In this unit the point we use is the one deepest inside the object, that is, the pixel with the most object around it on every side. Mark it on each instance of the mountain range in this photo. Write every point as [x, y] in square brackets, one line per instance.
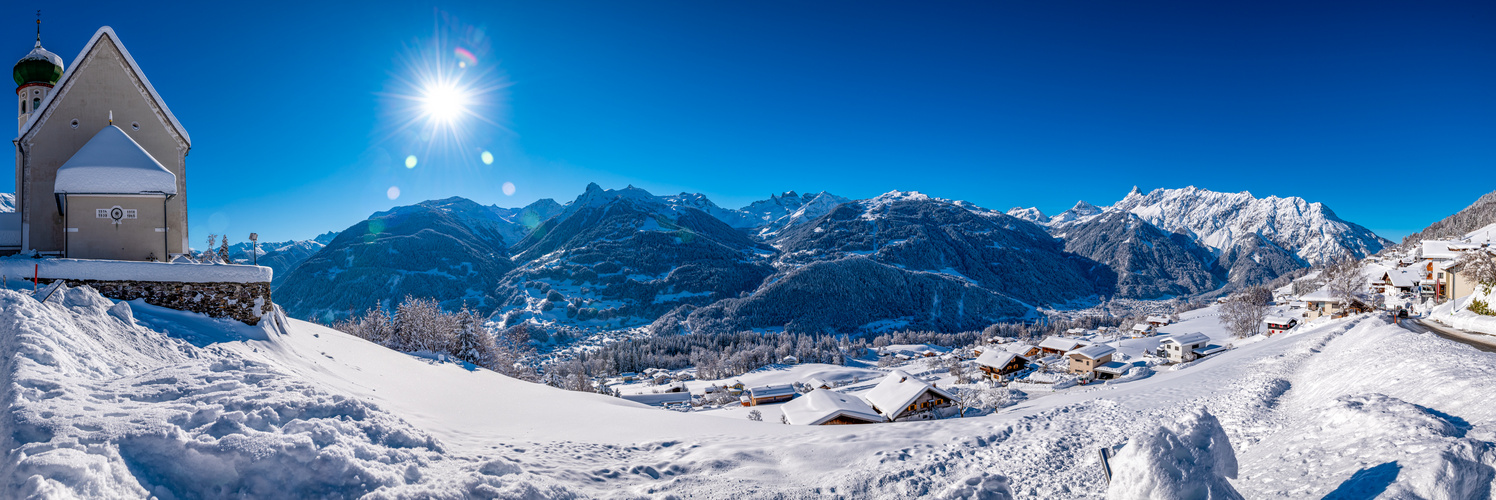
[806, 262]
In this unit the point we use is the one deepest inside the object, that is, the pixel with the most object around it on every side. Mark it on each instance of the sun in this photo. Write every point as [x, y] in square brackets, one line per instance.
[444, 101]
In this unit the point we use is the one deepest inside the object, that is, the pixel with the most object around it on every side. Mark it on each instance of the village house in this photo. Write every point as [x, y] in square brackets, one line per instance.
[1157, 321]
[768, 394]
[1084, 361]
[1024, 349]
[1060, 345]
[997, 363]
[1460, 284]
[1142, 330]
[1322, 303]
[817, 383]
[826, 407]
[901, 396]
[1182, 347]
[1279, 324]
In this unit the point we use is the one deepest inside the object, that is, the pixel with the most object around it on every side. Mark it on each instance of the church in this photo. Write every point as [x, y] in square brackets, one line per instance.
[101, 162]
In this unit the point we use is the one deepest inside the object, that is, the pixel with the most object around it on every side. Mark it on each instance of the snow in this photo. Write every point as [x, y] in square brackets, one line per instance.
[178, 405]
[1062, 343]
[1192, 338]
[821, 405]
[995, 358]
[1191, 460]
[111, 162]
[120, 270]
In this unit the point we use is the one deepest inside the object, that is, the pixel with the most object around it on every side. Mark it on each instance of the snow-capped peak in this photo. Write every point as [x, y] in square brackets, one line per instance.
[1031, 214]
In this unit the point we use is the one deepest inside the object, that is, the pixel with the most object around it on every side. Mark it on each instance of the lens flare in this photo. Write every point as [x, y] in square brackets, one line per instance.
[508, 189]
[487, 158]
[393, 192]
[465, 58]
[410, 161]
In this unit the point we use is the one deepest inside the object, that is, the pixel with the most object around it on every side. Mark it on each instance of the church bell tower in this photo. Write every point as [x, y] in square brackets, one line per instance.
[35, 76]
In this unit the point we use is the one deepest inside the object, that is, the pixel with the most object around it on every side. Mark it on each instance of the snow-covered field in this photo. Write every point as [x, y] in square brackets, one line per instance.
[132, 401]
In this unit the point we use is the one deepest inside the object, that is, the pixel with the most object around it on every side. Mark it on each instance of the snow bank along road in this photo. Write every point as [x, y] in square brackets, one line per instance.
[1477, 340]
[129, 401]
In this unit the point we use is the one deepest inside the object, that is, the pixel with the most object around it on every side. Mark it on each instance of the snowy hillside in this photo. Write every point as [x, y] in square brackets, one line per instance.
[450, 250]
[139, 401]
[7, 202]
[1479, 214]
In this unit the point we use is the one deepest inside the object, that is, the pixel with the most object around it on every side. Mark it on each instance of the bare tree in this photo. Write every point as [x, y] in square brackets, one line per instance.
[1479, 267]
[756, 416]
[1343, 279]
[1245, 310]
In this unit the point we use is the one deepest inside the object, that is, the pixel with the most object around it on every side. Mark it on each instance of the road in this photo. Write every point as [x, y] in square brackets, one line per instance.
[1477, 340]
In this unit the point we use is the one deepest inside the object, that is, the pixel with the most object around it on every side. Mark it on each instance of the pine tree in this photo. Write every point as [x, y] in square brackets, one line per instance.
[223, 250]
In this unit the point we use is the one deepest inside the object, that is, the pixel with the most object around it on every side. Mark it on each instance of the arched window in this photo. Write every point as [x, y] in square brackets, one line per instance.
[35, 102]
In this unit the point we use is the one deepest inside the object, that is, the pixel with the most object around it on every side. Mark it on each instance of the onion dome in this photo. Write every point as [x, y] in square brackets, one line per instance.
[39, 66]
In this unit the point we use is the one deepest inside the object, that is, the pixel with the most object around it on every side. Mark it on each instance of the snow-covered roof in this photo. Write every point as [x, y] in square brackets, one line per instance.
[111, 162]
[817, 382]
[1158, 319]
[1403, 278]
[1437, 249]
[1018, 347]
[1114, 367]
[1192, 338]
[1142, 327]
[995, 358]
[1208, 350]
[1278, 320]
[663, 398]
[770, 391]
[821, 405]
[1097, 351]
[897, 391]
[65, 83]
[1062, 343]
[1320, 295]
[1483, 235]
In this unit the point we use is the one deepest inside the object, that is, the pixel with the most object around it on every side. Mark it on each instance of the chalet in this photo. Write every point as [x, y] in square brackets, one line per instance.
[1142, 330]
[661, 399]
[1322, 303]
[768, 394]
[1060, 345]
[995, 364]
[826, 407]
[1084, 361]
[628, 376]
[1157, 321]
[901, 396]
[1398, 281]
[1182, 347]
[1279, 324]
[817, 383]
[1024, 349]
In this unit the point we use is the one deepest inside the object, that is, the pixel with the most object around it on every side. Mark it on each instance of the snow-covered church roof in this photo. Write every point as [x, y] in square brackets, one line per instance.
[113, 163]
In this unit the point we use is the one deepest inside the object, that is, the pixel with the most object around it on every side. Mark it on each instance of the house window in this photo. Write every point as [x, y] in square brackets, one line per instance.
[35, 103]
[102, 213]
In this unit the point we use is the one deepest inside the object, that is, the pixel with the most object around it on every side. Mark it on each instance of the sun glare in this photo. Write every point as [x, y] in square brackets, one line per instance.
[444, 102]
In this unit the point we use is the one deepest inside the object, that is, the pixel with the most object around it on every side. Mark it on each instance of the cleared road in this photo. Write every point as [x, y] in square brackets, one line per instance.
[1477, 340]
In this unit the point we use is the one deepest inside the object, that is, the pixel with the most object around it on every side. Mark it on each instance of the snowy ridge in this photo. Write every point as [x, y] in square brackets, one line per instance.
[7, 202]
[1221, 220]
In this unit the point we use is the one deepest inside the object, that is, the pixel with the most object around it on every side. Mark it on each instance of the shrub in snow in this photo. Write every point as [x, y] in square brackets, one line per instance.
[756, 416]
[1187, 460]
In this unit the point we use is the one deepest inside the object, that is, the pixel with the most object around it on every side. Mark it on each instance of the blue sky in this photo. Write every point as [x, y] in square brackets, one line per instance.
[1383, 111]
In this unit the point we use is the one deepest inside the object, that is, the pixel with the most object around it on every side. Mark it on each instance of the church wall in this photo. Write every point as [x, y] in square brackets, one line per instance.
[102, 82]
[100, 238]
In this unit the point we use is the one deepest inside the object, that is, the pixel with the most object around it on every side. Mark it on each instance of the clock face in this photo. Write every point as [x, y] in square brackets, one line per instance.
[116, 213]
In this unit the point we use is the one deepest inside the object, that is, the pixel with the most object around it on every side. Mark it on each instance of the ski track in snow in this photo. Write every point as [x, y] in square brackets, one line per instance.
[109, 403]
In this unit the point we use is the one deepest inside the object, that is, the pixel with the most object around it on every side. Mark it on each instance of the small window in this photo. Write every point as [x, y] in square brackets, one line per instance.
[75, 123]
[134, 125]
[129, 213]
[102, 213]
[35, 103]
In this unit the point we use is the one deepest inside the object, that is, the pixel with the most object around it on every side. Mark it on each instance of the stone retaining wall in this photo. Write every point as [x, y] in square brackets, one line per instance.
[246, 302]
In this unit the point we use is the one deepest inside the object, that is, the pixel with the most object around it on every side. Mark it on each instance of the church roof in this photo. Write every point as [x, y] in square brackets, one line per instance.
[62, 84]
[113, 163]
